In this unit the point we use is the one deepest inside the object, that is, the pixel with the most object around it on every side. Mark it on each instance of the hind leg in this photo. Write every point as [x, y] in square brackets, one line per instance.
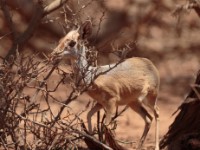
[110, 108]
[151, 103]
[156, 114]
[137, 107]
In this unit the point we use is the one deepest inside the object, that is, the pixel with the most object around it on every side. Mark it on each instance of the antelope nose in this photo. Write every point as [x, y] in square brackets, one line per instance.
[72, 43]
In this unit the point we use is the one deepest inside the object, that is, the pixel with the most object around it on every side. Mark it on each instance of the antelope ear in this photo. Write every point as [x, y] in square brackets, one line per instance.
[85, 30]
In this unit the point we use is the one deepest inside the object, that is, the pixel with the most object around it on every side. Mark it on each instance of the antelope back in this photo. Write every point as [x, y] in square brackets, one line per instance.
[128, 80]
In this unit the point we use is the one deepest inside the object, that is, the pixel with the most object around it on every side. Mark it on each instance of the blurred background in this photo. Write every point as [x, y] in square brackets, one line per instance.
[121, 28]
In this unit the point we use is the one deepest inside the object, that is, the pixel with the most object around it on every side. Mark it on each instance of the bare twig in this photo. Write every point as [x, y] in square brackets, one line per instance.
[92, 139]
[33, 99]
[40, 12]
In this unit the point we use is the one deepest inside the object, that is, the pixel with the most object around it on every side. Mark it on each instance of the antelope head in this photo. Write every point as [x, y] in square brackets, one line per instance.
[69, 45]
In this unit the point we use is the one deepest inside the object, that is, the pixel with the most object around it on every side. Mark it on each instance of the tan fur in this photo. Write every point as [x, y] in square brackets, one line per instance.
[134, 82]
[127, 84]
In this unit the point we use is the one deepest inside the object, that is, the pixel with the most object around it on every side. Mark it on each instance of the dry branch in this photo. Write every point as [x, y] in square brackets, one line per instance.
[31, 121]
[92, 142]
[39, 13]
[192, 4]
[8, 18]
[111, 140]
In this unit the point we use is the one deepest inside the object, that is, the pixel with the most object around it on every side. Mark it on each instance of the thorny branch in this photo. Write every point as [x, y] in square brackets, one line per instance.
[39, 13]
[19, 119]
[24, 114]
[191, 4]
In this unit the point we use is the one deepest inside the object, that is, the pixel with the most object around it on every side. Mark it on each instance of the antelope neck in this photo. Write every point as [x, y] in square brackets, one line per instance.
[85, 71]
[82, 69]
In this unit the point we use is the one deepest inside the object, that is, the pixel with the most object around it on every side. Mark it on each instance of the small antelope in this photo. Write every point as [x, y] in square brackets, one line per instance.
[133, 82]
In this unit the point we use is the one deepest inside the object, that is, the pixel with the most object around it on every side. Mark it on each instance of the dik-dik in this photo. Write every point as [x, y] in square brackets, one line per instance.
[133, 82]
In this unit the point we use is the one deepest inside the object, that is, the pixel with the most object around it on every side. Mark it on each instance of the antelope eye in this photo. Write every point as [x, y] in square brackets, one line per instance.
[72, 43]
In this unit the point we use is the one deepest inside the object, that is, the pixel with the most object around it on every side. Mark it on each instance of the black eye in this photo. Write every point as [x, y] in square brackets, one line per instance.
[72, 43]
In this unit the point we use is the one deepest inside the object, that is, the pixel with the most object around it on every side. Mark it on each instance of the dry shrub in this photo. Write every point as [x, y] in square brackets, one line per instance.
[27, 101]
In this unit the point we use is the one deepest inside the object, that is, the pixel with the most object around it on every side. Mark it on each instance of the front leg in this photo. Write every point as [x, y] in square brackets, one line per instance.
[95, 109]
[110, 108]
